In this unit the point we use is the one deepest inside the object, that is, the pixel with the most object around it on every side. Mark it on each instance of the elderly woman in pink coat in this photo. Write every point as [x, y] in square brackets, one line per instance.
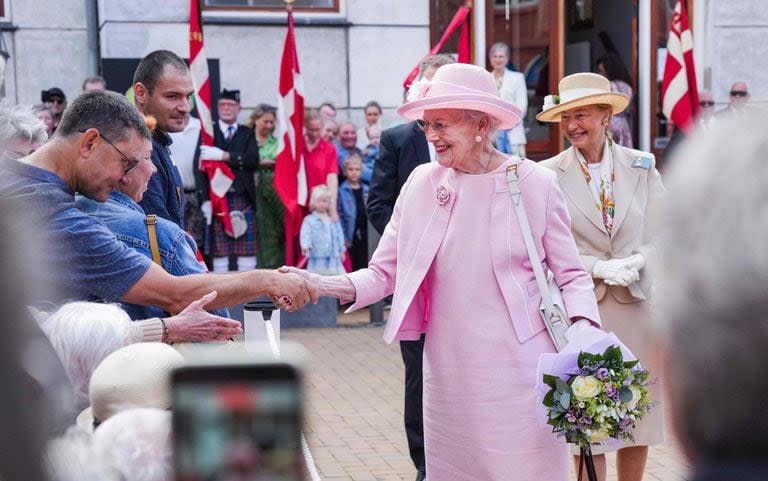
[454, 257]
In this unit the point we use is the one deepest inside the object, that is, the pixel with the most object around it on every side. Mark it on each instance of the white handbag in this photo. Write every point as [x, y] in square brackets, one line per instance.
[552, 306]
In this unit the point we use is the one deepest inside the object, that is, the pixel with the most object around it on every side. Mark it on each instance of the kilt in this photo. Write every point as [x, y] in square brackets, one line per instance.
[246, 244]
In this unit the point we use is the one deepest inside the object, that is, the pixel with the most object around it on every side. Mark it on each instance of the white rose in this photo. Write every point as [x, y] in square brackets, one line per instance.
[585, 387]
[598, 436]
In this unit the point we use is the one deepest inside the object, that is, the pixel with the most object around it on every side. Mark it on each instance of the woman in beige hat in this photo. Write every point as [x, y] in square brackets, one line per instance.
[610, 191]
[454, 256]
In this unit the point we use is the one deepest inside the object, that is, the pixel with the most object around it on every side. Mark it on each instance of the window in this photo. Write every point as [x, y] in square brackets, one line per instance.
[298, 5]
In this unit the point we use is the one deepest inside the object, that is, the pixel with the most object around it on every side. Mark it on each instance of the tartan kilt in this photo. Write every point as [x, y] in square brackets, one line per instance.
[246, 244]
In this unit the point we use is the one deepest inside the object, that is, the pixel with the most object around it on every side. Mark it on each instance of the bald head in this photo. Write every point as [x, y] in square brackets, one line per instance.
[739, 94]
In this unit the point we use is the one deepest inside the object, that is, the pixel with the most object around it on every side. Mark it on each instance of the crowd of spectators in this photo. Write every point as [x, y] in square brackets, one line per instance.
[99, 180]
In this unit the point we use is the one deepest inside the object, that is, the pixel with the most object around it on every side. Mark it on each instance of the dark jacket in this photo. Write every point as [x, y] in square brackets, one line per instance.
[402, 149]
[243, 160]
[165, 194]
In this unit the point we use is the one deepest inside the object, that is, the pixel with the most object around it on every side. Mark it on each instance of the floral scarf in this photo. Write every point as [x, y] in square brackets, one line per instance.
[602, 196]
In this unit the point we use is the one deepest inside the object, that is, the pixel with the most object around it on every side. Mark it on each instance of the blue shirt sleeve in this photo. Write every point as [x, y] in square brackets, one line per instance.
[96, 265]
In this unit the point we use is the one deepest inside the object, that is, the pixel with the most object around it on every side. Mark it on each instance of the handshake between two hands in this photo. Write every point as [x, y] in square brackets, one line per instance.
[301, 287]
[619, 272]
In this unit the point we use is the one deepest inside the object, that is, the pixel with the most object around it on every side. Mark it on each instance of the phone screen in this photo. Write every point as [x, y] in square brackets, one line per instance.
[237, 423]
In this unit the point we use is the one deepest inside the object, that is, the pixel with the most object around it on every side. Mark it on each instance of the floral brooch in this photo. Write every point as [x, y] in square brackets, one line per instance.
[443, 195]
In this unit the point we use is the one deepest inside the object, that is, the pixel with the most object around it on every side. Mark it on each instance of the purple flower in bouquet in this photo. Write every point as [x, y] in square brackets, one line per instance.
[626, 424]
[585, 420]
[570, 417]
[601, 373]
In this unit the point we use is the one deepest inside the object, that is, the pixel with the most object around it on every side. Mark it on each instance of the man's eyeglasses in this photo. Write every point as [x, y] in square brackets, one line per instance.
[132, 164]
[739, 93]
[707, 103]
[57, 100]
[438, 126]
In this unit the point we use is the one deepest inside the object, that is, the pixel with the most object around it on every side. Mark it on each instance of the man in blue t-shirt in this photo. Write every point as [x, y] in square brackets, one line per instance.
[100, 140]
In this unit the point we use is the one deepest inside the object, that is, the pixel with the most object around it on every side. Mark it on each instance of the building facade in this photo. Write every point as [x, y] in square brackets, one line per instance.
[353, 51]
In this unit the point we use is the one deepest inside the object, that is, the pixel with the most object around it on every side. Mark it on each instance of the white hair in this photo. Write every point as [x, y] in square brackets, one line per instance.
[475, 116]
[318, 192]
[83, 334]
[19, 123]
[714, 274]
[71, 458]
[137, 444]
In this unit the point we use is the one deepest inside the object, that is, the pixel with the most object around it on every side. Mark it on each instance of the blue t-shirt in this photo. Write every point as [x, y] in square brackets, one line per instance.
[81, 258]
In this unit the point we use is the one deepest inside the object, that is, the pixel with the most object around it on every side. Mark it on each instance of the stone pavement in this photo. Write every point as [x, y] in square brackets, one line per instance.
[354, 409]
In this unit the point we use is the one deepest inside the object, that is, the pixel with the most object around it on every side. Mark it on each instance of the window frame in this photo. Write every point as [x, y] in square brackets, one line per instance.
[248, 10]
[5, 11]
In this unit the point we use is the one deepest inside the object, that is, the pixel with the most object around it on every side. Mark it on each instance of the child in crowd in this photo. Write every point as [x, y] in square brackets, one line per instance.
[322, 240]
[352, 196]
[371, 151]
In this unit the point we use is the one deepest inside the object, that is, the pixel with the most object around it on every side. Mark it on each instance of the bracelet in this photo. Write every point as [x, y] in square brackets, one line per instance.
[164, 338]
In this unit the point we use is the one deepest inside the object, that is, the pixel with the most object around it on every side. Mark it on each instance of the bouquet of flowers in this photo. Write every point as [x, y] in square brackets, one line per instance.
[603, 398]
[595, 392]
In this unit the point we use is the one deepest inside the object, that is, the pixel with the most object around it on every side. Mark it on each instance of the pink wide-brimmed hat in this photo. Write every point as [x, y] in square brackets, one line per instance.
[461, 86]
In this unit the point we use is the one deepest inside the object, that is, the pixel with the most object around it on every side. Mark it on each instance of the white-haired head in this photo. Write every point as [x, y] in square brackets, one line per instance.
[137, 444]
[21, 131]
[83, 334]
[714, 291]
[71, 458]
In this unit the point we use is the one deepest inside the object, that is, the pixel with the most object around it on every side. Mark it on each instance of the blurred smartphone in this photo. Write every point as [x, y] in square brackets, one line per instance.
[237, 422]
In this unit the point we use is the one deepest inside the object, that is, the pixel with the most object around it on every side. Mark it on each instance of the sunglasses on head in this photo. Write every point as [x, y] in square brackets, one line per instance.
[739, 93]
[707, 103]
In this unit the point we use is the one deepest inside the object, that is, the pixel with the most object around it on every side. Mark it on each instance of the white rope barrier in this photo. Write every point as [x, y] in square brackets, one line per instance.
[308, 459]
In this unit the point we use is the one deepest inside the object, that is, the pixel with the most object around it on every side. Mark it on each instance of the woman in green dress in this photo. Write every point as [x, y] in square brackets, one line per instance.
[270, 212]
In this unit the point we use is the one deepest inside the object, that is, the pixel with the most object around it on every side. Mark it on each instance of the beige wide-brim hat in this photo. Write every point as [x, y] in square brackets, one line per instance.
[580, 90]
[461, 86]
[138, 375]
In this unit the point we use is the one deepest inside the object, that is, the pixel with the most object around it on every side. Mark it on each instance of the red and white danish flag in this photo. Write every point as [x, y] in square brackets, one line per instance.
[290, 173]
[680, 96]
[219, 173]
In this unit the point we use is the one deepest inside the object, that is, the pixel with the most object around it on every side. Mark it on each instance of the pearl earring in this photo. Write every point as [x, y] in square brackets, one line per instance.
[478, 139]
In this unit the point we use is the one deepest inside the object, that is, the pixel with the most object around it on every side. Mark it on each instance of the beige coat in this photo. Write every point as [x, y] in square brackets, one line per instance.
[637, 186]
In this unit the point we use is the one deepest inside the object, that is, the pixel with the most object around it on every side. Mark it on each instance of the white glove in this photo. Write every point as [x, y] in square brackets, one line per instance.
[211, 153]
[207, 210]
[635, 261]
[615, 272]
[579, 328]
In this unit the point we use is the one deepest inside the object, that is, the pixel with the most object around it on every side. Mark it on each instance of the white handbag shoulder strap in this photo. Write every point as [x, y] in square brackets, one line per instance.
[525, 227]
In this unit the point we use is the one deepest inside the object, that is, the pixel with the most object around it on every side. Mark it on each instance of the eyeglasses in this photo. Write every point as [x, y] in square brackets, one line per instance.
[132, 164]
[739, 93]
[438, 126]
[56, 100]
[707, 103]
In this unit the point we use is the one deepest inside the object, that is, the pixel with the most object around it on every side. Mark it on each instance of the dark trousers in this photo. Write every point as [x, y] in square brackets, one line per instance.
[412, 352]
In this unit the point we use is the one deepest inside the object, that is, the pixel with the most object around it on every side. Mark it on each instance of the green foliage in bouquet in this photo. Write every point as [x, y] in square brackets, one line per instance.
[601, 398]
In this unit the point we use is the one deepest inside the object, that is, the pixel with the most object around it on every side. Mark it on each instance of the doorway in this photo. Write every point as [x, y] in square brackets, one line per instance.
[549, 39]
